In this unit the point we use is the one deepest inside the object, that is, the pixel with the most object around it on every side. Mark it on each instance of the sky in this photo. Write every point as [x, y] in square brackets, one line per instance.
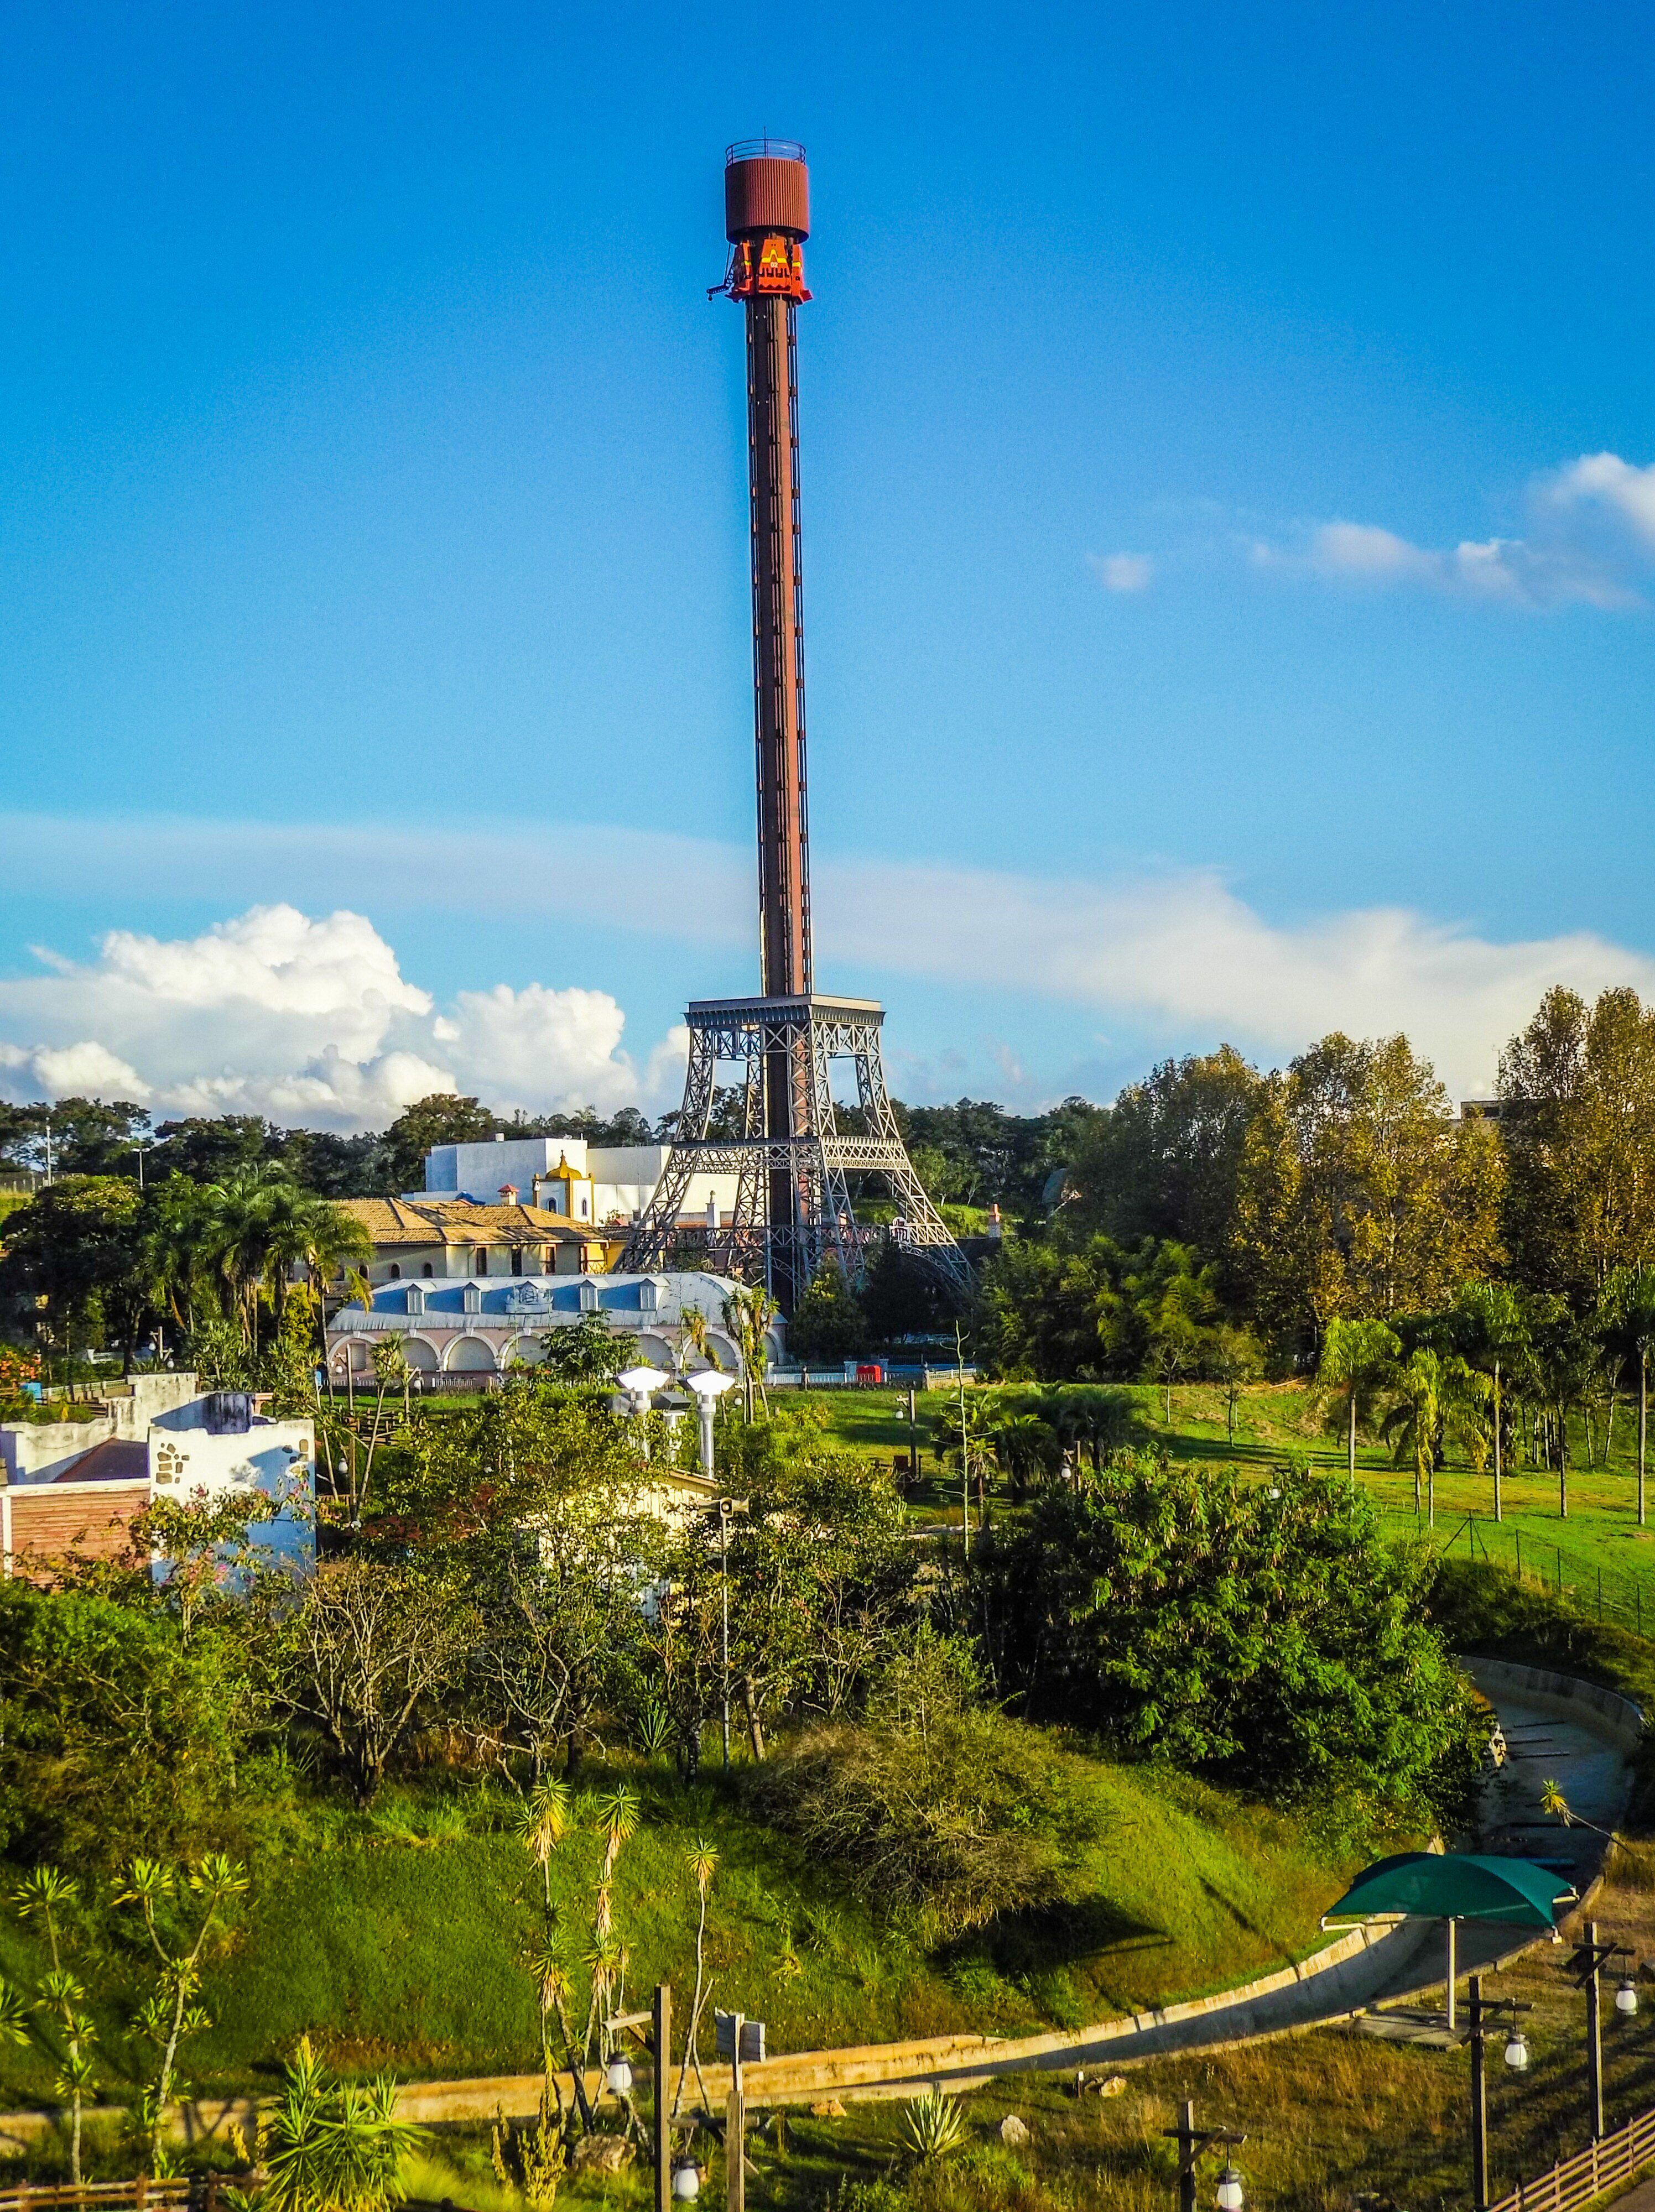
[1229, 508]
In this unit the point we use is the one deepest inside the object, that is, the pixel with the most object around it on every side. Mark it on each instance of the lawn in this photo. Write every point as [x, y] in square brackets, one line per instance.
[396, 1939]
[1279, 1421]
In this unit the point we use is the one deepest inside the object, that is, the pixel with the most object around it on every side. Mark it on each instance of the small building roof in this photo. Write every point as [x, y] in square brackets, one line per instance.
[400, 1221]
[117, 1459]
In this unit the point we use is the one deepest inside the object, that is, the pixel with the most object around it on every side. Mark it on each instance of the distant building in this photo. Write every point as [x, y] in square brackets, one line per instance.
[603, 1184]
[479, 1328]
[79, 1486]
[451, 1239]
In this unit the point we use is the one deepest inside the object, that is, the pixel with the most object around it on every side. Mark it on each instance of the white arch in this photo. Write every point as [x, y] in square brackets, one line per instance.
[529, 1349]
[728, 1358]
[421, 1354]
[470, 1355]
[655, 1351]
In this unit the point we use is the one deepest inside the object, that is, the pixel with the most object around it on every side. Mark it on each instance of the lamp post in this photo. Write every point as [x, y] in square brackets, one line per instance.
[709, 1387]
[658, 2042]
[1587, 1961]
[1192, 2142]
[640, 1384]
[1483, 2013]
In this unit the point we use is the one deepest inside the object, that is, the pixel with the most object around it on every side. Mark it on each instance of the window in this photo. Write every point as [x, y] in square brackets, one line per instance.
[395, 1273]
[517, 1259]
[482, 1267]
[428, 1269]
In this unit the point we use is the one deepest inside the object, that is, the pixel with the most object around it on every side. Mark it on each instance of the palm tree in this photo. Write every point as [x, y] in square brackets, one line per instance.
[1438, 1389]
[748, 1313]
[1358, 1358]
[1629, 1302]
[1492, 1334]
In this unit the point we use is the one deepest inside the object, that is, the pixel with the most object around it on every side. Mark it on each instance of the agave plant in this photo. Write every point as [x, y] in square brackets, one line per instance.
[933, 2125]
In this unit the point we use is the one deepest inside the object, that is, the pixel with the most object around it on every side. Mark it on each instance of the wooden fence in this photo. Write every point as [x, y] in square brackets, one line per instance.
[190, 2192]
[1575, 2181]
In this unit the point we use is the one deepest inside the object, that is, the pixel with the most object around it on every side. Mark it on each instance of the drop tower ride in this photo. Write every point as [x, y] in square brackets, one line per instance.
[791, 1161]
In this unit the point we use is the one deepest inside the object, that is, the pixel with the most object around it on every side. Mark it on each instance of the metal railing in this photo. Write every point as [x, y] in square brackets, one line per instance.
[766, 150]
[1591, 2173]
[197, 2192]
[1596, 1592]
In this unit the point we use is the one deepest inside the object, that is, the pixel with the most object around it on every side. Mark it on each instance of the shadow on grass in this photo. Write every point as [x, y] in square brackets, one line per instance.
[1035, 1941]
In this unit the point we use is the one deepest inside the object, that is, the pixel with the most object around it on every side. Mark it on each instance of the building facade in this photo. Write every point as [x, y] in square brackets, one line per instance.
[482, 1327]
[606, 1185]
[457, 1239]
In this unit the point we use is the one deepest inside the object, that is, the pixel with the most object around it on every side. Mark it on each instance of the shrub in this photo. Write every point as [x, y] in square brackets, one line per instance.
[950, 1824]
[1263, 1635]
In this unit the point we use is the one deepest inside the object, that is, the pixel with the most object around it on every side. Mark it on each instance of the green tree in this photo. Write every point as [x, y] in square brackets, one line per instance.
[1358, 1358]
[55, 2021]
[1578, 1123]
[1162, 1161]
[180, 1910]
[1359, 1196]
[1438, 1391]
[1491, 1333]
[74, 1258]
[827, 1323]
[1265, 1636]
[1234, 1355]
[584, 1354]
[441, 1119]
[328, 2147]
[1629, 1313]
[749, 1311]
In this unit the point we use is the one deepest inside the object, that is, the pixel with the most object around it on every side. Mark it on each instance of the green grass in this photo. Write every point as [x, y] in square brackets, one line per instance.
[396, 1941]
[1279, 1420]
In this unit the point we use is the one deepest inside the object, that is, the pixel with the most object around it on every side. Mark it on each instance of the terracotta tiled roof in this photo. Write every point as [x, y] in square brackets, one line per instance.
[462, 1221]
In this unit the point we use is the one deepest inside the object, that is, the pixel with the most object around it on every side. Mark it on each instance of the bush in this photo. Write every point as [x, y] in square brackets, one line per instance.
[117, 1736]
[1263, 1636]
[948, 1826]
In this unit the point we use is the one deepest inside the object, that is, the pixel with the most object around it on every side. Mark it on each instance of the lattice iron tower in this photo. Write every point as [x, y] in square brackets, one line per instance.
[792, 1163]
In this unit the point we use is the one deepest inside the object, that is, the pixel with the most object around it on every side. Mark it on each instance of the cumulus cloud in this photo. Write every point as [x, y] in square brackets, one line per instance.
[1123, 572]
[306, 1019]
[310, 1019]
[1592, 530]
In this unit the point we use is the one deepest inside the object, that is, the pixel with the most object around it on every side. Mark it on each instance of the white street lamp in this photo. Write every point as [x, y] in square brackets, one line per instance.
[619, 2074]
[709, 1387]
[1230, 2195]
[638, 1383]
[1517, 2051]
[686, 2180]
[1626, 1998]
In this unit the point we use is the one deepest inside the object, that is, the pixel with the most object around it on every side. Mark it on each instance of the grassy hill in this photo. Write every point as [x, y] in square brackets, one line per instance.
[396, 1938]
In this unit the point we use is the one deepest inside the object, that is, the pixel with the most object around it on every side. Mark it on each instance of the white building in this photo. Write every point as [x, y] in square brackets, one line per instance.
[78, 1485]
[480, 1327]
[598, 1183]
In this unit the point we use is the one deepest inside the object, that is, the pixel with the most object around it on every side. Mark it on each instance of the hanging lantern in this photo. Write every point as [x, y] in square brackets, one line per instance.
[1626, 1998]
[686, 2181]
[1230, 2195]
[1517, 2051]
[619, 2075]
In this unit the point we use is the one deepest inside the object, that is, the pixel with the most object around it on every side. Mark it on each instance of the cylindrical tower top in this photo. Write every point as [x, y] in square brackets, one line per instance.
[766, 190]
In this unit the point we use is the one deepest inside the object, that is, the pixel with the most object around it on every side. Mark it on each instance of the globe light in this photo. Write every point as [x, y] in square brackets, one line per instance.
[1230, 2195]
[619, 2074]
[686, 2181]
[1517, 2051]
[1626, 1998]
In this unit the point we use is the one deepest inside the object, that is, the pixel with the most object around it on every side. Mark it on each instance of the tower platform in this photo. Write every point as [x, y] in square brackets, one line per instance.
[790, 1158]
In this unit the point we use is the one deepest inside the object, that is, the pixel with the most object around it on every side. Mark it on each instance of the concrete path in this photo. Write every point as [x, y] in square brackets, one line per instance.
[1556, 1731]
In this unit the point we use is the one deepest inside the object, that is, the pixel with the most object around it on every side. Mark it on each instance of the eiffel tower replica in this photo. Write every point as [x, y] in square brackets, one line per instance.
[792, 1162]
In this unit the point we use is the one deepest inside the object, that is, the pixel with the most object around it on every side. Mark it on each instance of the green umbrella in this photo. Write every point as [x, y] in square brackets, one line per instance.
[1455, 1886]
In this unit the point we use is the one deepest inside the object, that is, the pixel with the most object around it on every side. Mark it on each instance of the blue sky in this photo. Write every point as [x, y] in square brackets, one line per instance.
[1230, 546]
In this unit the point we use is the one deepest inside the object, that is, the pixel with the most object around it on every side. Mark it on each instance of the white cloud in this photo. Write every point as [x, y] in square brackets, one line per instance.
[1628, 492]
[1566, 556]
[1123, 572]
[306, 1019]
[335, 1034]
[85, 1070]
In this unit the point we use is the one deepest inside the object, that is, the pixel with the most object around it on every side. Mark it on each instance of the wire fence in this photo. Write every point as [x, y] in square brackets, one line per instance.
[1616, 1595]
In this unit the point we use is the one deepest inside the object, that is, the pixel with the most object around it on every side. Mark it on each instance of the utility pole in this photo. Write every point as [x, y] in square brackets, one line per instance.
[663, 2127]
[735, 2131]
[724, 1626]
[1192, 2142]
[1479, 2098]
[1590, 1958]
[964, 1443]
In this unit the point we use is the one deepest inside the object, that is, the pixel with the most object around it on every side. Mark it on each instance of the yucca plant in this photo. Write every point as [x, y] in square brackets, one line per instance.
[933, 2125]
